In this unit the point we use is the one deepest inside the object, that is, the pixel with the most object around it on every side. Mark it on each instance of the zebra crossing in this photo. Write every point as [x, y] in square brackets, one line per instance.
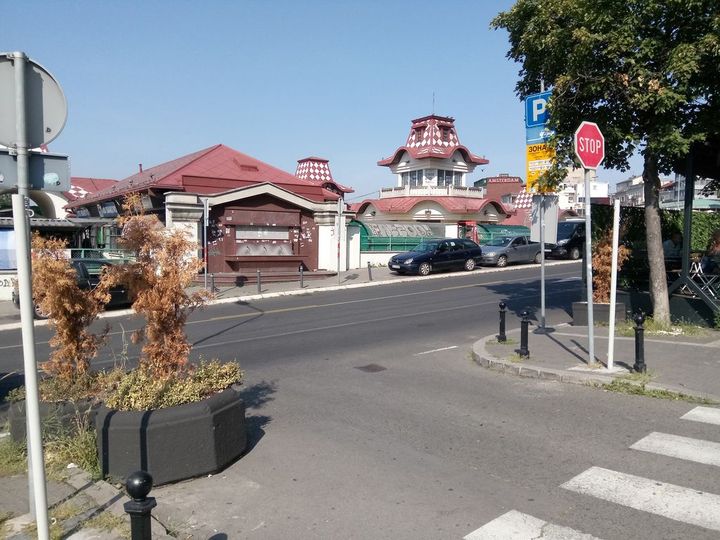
[679, 503]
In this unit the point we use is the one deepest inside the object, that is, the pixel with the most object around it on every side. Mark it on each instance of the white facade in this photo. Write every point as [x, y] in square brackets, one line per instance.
[631, 192]
[571, 194]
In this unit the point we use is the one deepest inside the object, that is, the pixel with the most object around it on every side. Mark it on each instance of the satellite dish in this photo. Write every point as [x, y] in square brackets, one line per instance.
[45, 103]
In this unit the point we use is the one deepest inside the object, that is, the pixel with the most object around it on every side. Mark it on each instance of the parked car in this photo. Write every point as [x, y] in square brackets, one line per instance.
[510, 249]
[570, 240]
[436, 255]
[88, 275]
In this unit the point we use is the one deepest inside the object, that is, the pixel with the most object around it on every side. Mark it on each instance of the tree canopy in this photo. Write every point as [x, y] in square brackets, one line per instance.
[646, 71]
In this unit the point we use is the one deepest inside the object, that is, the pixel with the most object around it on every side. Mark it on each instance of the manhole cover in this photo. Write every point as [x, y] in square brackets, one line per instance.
[371, 368]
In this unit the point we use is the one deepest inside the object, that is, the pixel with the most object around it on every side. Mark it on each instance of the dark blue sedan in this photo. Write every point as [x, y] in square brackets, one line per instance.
[437, 255]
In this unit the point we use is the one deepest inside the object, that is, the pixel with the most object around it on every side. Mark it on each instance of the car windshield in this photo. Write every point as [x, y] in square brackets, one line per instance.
[565, 229]
[425, 247]
[501, 241]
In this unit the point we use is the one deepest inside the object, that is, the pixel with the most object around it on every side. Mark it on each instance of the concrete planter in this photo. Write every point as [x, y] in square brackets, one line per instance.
[601, 313]
[61, 415]
[175, 443]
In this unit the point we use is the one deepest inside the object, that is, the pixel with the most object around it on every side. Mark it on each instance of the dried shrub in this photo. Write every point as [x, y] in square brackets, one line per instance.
[139, 390]
[602, 265]
[165, 265]
[71, 310]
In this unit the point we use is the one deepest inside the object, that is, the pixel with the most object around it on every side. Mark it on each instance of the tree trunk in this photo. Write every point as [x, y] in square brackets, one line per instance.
[656, 258]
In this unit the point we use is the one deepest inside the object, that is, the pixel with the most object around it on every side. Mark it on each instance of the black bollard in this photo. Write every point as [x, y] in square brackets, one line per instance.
[259, 281]
[502, 338]
[523, 351]
[138, 485]
[639, 366]
[302, 285]
[369, 272]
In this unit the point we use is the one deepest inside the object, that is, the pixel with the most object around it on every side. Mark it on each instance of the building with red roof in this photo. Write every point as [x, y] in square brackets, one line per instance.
[432, 186]
[260, 217]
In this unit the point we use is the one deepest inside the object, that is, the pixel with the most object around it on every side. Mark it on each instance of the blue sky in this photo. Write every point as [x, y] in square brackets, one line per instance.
[279, 80]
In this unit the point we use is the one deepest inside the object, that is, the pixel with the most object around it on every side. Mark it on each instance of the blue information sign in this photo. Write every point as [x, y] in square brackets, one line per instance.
[536, 113]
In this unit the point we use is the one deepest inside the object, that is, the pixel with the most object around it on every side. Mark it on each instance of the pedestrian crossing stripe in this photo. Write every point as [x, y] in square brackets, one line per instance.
[707, 415]
[515, 525]
[668, 500]
[696, 450]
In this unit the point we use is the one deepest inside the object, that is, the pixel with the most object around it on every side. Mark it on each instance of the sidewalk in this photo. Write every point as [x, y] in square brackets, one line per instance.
[687, 365]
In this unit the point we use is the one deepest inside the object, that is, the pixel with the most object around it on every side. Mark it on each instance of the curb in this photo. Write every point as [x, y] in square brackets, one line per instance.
[484, 359]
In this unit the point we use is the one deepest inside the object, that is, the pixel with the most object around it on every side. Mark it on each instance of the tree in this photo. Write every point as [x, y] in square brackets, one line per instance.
[646, 71]
[165, 265]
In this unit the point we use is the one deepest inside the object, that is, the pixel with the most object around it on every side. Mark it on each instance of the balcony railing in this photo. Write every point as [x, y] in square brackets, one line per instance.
[433, 191]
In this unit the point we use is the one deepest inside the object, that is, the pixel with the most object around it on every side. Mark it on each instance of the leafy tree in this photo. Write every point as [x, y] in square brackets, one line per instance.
[646, 71]
[165, 265]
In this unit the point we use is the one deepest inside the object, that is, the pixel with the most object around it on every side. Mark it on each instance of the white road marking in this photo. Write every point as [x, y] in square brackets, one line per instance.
[667, 500]
[436, 350]
[708, 415]
[515, 525]
[697, 450]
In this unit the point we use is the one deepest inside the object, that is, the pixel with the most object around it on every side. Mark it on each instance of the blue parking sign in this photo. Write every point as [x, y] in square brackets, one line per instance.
[536, 113]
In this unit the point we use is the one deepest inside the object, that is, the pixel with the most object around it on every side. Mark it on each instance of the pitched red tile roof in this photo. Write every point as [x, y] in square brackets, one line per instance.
[456, 205]
[81, 187]
[212, 170]
[433, 137]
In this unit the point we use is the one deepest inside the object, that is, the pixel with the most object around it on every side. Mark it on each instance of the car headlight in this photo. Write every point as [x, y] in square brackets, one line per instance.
[408, 261]
[489, 253]
[563, 242]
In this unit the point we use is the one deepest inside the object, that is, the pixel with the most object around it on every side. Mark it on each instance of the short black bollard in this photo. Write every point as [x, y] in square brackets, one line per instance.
[259, 282]
[523, 351]
[302, 285]
[138, 485]
[639, 366]
[501, 337]
[369, 272]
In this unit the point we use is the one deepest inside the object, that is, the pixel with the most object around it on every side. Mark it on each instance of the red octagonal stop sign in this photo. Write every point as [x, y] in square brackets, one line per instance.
[589, 145]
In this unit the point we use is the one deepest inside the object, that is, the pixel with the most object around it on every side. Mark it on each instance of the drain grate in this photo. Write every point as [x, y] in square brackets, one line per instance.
[371, 368]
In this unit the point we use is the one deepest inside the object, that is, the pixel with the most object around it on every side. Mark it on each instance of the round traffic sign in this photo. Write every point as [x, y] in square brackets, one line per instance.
[45, 104]
[589, 145]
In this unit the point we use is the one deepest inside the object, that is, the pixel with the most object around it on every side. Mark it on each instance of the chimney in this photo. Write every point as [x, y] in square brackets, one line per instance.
[140, 166]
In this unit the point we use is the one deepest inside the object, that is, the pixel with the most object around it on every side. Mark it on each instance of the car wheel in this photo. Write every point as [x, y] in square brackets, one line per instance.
[502, 261]
[39, 313]
[574, 254]
[537, 257]
[424, 269]
[470, 265]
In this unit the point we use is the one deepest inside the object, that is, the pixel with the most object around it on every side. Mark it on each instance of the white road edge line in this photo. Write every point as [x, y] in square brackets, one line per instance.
[708, 415]
[436, 350]
[515, 525]
[665, 444]
[668, 500]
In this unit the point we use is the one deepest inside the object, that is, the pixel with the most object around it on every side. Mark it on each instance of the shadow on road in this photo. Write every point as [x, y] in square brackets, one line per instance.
[255, 397]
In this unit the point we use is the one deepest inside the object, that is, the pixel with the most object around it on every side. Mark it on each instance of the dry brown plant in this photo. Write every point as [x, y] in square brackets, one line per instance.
[165, 265]
[71, 309]
[602, 266]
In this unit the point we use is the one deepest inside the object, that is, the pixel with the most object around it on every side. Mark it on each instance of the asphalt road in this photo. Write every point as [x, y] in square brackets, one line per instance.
[369, 420]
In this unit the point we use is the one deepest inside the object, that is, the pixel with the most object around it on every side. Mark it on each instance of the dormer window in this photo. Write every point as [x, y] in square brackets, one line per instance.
[445, 134]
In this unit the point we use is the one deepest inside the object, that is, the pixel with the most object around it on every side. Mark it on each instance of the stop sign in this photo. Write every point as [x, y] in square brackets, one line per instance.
[589, 145]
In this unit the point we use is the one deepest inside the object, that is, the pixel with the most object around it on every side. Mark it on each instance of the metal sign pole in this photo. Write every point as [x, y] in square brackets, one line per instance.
[339, 234]
[542, 261]
[206, 223]
[613, 282]
[588, 269]
[36, 462]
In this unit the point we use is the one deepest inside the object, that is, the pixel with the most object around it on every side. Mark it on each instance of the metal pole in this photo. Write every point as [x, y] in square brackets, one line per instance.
[138, 486]
[339, 235]
[36, 462]
[302, 285]
[542, 261]
[639, 365]
[613, 283]
[369, 272]
[588, 270]
[206, 223]
[524, 323]
[259, 281]
[502, 338]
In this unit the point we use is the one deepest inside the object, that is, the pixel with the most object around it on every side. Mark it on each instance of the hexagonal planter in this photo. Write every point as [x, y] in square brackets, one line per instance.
[55, 415]
[175, 443]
